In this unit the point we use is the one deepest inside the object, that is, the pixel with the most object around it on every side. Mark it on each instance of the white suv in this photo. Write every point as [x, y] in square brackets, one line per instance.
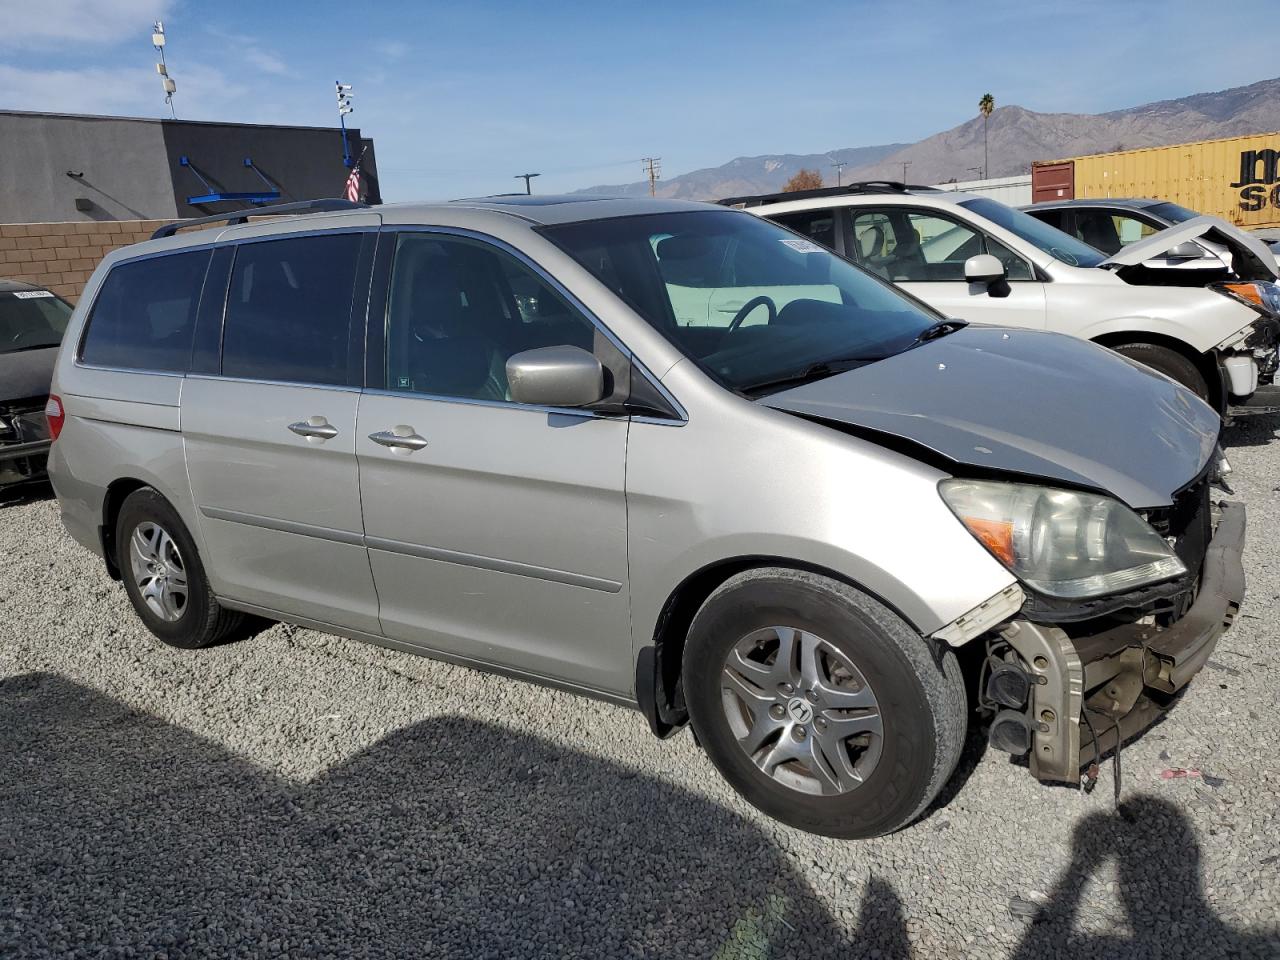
[977, 259]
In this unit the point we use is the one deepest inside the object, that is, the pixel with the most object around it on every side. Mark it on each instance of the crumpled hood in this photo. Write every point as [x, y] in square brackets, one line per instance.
[1253, 259]
[1027, 402]
[26, 373]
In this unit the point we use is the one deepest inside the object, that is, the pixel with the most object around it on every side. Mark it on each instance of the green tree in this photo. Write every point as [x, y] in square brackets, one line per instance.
[986, 106]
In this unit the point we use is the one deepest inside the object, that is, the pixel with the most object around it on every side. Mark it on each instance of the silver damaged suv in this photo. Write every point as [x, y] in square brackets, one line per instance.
[663, 453]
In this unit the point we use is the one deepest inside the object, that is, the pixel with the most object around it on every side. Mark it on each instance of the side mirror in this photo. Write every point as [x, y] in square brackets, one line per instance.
[555, 377]
[1186, 250]
[984, 268]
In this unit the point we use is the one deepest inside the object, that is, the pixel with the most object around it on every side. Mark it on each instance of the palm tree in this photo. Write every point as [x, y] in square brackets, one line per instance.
[986, 105]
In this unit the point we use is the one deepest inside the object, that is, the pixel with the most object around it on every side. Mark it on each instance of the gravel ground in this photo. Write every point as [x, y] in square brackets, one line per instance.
[298, 794]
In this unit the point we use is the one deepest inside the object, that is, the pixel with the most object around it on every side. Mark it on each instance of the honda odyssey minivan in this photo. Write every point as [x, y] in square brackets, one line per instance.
[488, 432]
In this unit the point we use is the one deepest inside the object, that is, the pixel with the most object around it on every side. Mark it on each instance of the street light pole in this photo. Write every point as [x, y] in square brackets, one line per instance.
[526, 177]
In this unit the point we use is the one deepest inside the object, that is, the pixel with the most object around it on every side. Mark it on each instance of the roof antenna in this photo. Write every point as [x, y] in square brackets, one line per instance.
[170, 88]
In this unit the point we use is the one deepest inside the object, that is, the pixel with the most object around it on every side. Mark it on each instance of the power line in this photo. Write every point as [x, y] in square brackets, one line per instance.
[653, 167]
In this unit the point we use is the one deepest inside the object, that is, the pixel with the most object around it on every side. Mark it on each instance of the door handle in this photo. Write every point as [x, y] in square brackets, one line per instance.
[399, 438]
[315, 428]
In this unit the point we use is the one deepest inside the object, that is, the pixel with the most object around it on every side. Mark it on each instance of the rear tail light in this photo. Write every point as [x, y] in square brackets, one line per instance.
[55, 415]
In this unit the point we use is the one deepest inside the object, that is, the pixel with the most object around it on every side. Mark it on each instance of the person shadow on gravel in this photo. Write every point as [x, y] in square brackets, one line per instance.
[1159, 889]
[123, 835]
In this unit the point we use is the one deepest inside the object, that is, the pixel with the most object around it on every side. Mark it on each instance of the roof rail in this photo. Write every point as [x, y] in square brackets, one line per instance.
[861, 186]
[235, 217]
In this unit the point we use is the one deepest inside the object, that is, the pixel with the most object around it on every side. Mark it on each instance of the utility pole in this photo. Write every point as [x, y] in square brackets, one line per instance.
[905, 164]
[654, 170]
[527, 177]
[344, 107]
[839, 165]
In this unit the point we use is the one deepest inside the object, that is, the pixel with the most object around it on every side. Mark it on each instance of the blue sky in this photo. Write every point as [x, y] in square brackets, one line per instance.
[460, 97]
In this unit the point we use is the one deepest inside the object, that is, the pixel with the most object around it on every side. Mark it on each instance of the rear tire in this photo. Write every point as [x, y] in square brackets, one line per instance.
[164, 577]
[1171, 363]
[899, 702]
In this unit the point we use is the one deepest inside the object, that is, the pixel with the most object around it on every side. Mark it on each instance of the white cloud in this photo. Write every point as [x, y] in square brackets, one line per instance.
[52, 23]
[203, 92]
[392, 49]
[266, 62]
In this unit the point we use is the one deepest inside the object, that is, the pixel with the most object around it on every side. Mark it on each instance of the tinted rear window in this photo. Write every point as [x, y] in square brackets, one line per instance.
[145, 313]
[289, 309]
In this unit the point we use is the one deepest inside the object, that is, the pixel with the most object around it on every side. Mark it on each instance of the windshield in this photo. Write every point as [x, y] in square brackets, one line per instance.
[30, 319]
[1061, 246]
[750, 302]
[1172, 212]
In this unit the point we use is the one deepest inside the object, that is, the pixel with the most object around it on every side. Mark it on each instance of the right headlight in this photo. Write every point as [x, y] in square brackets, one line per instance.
[1062, 543]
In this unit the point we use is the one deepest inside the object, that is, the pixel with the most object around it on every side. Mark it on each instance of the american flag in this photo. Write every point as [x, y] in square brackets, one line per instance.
[353, 184]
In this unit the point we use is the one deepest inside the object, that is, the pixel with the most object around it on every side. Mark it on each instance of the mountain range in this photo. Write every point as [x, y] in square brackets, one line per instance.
[1016, 137]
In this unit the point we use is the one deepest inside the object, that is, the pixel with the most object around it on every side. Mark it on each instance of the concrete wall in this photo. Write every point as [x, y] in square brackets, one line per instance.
[123, 164]
[129, 169]
[60, 256]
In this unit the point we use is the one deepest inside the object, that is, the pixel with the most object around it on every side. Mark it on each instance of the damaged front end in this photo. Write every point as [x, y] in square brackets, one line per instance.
[1064, 684]
[24, 441]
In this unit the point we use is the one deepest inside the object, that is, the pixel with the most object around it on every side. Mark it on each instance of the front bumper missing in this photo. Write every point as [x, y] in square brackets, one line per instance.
[1125, 676]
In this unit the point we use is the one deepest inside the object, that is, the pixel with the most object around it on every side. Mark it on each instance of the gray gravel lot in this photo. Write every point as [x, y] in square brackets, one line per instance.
[298, 794]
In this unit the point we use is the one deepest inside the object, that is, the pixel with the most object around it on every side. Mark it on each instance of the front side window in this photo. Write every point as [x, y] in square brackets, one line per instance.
[791, 308]
[458, 309]
[1061, 246]
[289, 309]
[1171, 212]
[31, 319]
[1108, 231]
[909, 246]
[145, 314]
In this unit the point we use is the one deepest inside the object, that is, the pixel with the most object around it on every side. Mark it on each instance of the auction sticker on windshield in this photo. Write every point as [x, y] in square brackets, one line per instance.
[31, 294]
[803, 246]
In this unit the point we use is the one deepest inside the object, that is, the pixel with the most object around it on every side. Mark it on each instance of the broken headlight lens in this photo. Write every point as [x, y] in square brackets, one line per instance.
[1062, 543]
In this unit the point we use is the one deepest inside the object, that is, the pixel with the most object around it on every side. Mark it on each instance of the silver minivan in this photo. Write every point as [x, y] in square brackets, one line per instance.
[823, 527]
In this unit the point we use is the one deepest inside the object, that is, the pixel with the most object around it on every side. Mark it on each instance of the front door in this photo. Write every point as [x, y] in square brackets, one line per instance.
[924, 253]
[270, 440]
[497, 532]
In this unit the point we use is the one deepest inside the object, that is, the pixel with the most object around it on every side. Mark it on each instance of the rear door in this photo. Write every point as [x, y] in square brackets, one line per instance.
[269, 427]
[497, 531]
[924, 252]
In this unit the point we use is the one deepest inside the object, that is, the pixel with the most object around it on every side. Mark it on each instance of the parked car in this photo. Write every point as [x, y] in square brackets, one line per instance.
[481, 431]
[32, 321]
[1110, 224]
[977, 259]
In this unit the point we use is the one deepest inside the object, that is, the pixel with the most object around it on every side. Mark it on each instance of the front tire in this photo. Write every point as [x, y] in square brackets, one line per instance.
[164, 577]
[1169, 362]
[819, 705]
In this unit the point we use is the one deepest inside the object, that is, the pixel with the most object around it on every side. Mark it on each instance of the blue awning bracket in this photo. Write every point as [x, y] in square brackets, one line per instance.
[213, 195]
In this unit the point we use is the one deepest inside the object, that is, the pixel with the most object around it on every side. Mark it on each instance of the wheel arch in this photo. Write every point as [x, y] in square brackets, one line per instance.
[1205, 361]
[659, 688]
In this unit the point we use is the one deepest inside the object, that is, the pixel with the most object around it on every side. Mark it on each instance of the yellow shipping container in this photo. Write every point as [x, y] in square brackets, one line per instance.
[1236, 178]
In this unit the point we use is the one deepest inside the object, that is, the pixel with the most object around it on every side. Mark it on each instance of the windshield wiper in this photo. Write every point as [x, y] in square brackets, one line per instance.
[939, 329]
[814, 371]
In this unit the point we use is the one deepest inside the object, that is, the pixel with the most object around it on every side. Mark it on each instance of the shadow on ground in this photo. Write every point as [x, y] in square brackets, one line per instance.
[122, 835]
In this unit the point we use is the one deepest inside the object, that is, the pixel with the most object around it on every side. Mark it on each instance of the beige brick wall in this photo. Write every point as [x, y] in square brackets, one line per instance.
[61, 256]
